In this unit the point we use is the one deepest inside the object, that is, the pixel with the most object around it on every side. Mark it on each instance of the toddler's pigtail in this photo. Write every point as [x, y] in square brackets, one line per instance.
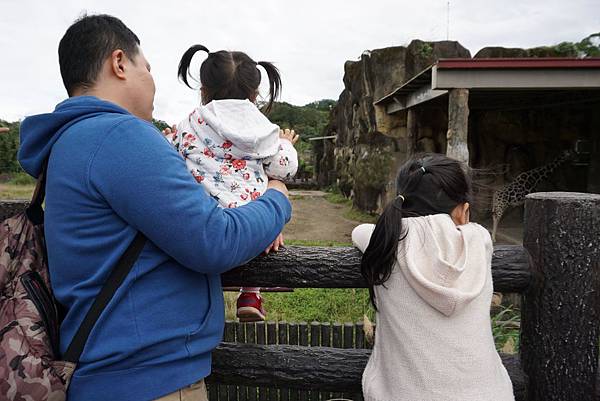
[183, 72]
[274, 82]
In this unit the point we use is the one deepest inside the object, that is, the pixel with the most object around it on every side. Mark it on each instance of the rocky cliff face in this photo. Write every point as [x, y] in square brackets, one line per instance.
[371, 144]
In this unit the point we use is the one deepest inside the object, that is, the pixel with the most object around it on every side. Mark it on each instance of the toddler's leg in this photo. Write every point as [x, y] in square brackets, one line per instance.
[249, 305]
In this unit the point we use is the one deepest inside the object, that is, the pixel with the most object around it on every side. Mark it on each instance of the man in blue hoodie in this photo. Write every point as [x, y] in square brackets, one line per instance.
[110, 175]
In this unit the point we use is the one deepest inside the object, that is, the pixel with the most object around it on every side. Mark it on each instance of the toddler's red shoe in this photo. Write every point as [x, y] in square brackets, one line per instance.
[249, 307]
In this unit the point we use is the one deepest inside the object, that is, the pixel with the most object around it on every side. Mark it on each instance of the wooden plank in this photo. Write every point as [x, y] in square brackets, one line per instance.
[261, 338]
[303, 340]
[271, 391]
[293, 339]
[326, 334]
[228, 336]
[337, 342]
[251, 392]
[240, 332]
[359, 335]
[339, 267]
[282, 339]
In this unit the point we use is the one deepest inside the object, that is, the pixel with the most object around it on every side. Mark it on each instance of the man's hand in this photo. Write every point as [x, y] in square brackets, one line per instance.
[275, 244]
[3, 130]
[279, 186]
[289, 135]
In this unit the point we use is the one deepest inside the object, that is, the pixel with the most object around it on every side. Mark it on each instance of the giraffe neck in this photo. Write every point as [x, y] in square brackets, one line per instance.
[541, 173]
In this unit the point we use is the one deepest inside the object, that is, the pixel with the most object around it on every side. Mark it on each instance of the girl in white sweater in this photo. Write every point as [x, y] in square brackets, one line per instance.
[429, 276]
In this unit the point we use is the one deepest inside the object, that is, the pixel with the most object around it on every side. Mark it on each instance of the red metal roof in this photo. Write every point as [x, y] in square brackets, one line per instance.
[549, 62]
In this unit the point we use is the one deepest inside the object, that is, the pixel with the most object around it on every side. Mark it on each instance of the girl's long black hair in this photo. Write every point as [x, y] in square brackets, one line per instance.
[230, 75]
[425, 185]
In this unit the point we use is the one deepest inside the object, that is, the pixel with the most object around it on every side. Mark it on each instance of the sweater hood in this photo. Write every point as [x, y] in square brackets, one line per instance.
[446, 265]
[39, 132]
[242, 123]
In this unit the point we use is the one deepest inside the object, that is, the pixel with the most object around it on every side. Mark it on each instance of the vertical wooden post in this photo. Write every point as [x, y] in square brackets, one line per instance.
[561, 309]
[458, 124]
[411, 131]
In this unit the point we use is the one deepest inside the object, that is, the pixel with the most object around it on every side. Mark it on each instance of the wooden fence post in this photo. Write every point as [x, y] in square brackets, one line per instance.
[561, 309]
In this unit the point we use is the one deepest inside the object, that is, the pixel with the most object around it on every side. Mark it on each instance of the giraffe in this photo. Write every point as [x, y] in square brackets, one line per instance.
[513, 194]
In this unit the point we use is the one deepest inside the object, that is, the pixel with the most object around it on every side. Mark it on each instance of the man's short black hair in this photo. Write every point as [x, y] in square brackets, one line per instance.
[86, 45]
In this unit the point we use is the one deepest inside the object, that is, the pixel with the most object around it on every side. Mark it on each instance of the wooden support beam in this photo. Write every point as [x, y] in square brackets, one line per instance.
[335, 267]
[458, 125]
[339, 267]
[319, 368]
[560, 319]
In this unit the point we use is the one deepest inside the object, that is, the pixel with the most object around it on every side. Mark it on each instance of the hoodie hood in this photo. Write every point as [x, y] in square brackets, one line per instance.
[446, 265]
[242, 123]
[39, 133]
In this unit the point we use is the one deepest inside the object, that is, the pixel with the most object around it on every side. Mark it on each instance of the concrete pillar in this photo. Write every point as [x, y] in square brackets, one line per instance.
[411, 132]
[458, 123]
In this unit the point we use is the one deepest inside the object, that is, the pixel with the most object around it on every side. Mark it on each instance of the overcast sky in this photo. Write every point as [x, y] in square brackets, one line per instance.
[309, 40]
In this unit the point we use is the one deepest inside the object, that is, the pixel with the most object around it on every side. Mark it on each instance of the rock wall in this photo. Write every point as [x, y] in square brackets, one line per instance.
[370, 144]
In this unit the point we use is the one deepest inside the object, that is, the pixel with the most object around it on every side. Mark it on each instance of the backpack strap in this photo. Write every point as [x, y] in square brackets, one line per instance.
[114, 281]
[106, 293]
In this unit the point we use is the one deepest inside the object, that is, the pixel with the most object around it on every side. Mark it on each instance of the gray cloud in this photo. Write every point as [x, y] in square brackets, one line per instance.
[309, 41]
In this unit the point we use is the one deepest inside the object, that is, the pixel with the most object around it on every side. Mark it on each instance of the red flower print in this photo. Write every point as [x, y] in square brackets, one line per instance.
[199, 178]
[244, 196]
[208, 153]
[200, 120]
[232, 205]
[190, 137]
[227, 145]
[186, 144]
[238, 164]
[246, 176]
[254, 195]
[228, 156]
[225, 170]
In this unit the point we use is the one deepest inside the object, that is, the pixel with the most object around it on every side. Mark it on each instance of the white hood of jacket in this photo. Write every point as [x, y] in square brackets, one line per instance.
[242, 123]
[445, 264]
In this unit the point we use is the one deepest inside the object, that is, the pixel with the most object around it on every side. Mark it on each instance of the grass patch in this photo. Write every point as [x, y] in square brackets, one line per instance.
[338, 198]
[311, 304]
[360, 216]
[308, 242]
[13, 192]
[21, 179]
[506, 329]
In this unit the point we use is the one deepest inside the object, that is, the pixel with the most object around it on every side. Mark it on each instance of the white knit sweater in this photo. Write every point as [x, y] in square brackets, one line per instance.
[434, 340]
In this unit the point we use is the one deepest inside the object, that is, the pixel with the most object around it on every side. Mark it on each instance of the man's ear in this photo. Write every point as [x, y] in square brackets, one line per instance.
[117, 63]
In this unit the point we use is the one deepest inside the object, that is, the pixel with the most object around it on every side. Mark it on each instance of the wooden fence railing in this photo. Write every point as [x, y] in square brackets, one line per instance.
[557, 270]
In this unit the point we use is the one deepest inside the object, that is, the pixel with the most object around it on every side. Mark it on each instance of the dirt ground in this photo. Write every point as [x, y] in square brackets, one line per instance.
[314, 218]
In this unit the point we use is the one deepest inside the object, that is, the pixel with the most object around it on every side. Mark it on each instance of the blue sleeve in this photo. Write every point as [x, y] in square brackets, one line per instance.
[146, 182]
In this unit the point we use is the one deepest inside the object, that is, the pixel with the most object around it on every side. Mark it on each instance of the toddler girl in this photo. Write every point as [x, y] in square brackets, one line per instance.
[229, 146]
